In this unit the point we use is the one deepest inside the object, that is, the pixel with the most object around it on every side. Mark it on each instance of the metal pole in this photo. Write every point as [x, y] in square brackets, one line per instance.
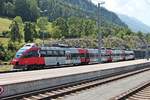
[43, 14]
[99, 35]
[147, 51]
[111, 26]
[43, 38]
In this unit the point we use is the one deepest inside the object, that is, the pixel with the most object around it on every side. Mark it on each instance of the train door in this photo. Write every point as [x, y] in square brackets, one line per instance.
[113, 55]
[103, 55]
[87, 58]
[75, 56]
[108, 55]
[123, 55]
[68, 57]
[61, 58]
[82, 54]
[50, 58]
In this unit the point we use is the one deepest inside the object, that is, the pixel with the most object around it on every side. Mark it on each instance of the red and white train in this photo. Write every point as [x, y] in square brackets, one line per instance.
[31, 56]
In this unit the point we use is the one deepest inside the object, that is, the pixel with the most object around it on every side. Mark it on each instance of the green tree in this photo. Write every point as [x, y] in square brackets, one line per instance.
[16, 27]
[56, 32]
[27, 9]
[42, 23]
[2, 52]
[9, 9]
[61, 23]
[29, 32]
[75, 27]
[89, 27]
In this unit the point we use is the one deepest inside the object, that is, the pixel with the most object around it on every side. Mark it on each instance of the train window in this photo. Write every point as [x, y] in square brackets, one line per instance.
[55, 53]
[31, 54]
[87, 55]
[82, 55]
[72, 56]
[61, 53]
[75, 56]
[93, 55]
[43, 53]
[49, 53]
[34, 54]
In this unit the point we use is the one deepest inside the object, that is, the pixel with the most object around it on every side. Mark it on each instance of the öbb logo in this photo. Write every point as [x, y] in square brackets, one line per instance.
[1, 90]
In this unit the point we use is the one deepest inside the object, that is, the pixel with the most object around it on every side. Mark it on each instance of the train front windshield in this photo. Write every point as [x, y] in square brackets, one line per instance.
[20, 53]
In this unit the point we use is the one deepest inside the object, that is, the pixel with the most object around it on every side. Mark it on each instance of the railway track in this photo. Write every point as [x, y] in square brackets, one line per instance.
[141, 92]
[60, 91]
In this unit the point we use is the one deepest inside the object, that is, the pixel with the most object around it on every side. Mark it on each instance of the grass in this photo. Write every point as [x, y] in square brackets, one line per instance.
[4, 40]
[5, 68]
[4, 24]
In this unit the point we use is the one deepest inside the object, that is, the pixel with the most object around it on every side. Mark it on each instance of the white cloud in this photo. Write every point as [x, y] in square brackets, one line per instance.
[134, 8]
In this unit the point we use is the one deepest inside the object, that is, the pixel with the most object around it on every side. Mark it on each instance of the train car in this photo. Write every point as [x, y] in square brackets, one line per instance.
[73, 56]
[108, 55]
[129, 55]
[93, 55]
[118, 55]
[78, 56]
[26, 56]
[53, 56]
[139, 54]
[105, 54]
[34, 57]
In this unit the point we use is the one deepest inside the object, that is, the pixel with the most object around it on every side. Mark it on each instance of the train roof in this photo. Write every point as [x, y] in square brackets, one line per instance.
[30, 45]
[51, 48]
[61, 45]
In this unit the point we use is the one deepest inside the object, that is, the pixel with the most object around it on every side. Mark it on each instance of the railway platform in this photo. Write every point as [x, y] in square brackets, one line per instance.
[24, 82]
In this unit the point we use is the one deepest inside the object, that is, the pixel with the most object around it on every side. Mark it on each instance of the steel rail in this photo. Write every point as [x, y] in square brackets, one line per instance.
[141, 92]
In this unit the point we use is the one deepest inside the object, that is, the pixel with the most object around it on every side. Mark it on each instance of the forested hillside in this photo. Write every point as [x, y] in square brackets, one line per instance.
[30, 10]
[88, 6]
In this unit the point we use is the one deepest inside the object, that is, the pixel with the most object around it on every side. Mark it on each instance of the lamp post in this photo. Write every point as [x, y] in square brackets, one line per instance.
[147, 49]
[43, 14]
[99, 33]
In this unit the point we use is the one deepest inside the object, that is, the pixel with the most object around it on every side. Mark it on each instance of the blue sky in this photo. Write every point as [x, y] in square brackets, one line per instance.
[139, 9]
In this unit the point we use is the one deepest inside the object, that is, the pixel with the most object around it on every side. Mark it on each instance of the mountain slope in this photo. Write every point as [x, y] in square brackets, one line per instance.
[134, 24]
